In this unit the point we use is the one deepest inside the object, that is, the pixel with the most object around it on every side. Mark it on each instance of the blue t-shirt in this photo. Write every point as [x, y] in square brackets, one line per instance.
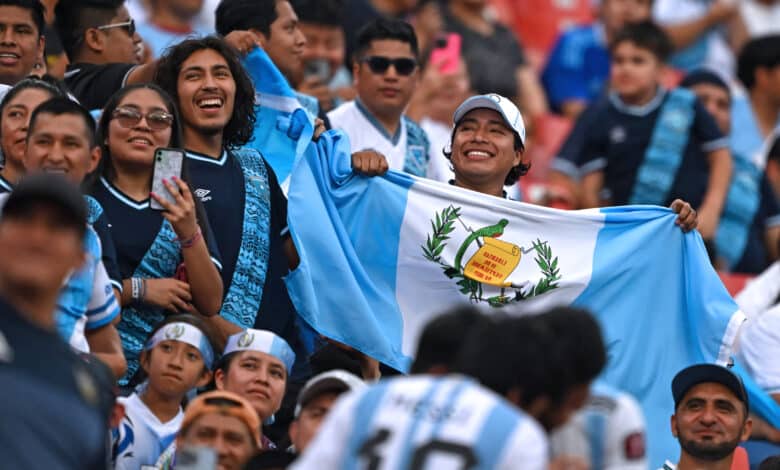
[578, 66]
[50, 408]
[746, 137]
[612, 137]
[755, 257]
[160, 39]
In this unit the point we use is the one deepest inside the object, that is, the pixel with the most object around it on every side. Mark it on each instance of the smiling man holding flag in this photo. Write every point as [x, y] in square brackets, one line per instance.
[397, 250]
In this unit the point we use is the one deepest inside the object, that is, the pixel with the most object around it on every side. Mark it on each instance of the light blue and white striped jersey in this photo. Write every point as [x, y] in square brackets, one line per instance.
[423, 422]
[87, 300]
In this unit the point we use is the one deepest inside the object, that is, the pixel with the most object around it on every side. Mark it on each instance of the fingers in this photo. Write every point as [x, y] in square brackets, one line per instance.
[369, 162]
[179, 305]
[687, 218]
[243, 41]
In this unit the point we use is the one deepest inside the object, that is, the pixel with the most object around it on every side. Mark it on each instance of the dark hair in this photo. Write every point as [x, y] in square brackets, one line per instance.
[578, 334]
[25, 84]
[240, 127]
[198, 323]
[770, 463]
[511, 353]
[59, 106]
[644, 35]
[442, 338]
[385, 28]
[704, 76]
[242, 15]
[74, 17]
[270, 459]
[763, 52]
[320, 12]
[106, 168]
[514, 174]
[774, 150]
[35, 7]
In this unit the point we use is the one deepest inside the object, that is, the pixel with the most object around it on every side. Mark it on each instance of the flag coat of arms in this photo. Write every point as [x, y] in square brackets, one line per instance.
[382, 256]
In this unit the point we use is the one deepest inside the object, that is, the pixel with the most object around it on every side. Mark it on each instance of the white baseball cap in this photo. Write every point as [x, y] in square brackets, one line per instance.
[496, 102]
[338, 381]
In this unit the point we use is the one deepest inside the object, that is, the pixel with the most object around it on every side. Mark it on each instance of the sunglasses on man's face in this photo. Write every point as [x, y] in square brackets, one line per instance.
[129, 26]
[379, 65]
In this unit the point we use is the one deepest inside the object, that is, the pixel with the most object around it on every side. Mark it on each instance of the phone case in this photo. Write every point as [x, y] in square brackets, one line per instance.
[167, 164]
[447, 58]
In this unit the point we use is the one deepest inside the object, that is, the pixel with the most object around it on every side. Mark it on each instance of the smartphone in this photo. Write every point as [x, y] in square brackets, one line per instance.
[446, 54]
[167, 164]
[317, 68]
[196, 458]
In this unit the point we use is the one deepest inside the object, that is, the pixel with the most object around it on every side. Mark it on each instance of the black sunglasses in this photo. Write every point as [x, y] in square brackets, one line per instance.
[129, 26]
[379, 65]
[157, 120]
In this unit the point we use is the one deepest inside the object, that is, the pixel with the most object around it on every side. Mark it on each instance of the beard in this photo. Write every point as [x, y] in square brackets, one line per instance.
[708, 451]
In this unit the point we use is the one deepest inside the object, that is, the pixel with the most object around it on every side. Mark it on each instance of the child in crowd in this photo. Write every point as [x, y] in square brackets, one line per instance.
[644, 144]
[178, 357]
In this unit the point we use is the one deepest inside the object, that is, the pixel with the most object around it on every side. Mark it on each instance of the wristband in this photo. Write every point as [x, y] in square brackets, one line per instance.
[138, 288]
[189, 242]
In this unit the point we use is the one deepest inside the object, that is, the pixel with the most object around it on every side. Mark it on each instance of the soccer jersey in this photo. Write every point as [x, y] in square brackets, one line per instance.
[408, 150]
[220, 185]
[141, 438]
[759, 341]
[49, 401]
[609, 432]
[135, 226]
[578, 66]
[5, 185]
[424, 422]
[746, 137]
[613, 137]
[755, 257]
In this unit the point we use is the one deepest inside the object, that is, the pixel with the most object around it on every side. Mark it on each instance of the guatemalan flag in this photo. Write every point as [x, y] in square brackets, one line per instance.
[382, 256]
[283, 128]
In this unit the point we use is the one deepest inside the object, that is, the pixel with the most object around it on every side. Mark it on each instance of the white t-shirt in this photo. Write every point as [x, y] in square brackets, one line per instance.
[609, 432]
[760, 293]
[760, 347]
[760, 19]
[426, 422]
[141, 437]
[365, 132]
[439, 135]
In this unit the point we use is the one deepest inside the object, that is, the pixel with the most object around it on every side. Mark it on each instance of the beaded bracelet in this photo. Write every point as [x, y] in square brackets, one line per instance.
[189, 242]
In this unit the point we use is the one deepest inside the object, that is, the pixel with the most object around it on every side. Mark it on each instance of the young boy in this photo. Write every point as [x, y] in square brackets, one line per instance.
[644, 144]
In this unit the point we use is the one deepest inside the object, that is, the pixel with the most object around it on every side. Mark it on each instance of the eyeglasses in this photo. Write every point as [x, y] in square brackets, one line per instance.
[128, 118]
[128, 25]
[379, 65]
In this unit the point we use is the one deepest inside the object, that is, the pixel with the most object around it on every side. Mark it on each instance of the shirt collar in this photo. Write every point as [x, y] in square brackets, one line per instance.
[375, 122]
[641, 110]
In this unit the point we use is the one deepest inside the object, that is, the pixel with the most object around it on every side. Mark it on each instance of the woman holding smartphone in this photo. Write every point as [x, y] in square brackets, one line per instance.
[167, 258]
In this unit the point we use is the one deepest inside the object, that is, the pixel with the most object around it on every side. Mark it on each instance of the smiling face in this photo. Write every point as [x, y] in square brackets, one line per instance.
[710, 422]
[60, 144]
[21, 44]
[174, 368]
[207, 92]
[285, 44]
[385, 93]
[258, 377]
[483, 149]
[135, 145]
[16, 118]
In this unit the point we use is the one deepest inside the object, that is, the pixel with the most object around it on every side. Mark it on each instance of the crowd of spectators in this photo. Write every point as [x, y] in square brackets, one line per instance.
[148, 326]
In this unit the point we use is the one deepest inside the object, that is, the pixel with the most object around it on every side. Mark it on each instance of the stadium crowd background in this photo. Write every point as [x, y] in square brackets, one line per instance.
[193, 298]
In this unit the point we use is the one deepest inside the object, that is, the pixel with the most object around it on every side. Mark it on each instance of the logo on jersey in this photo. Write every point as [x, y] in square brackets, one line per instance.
[203, 194]
[484, 273]
[174, 332]
[617, 135]
[246, 339]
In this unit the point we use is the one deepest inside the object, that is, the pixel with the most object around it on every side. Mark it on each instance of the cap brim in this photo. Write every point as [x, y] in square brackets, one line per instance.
[477, 102]
[703, 373]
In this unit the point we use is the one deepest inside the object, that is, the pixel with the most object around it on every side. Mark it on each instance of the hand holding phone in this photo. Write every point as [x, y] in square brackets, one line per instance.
[167, 165]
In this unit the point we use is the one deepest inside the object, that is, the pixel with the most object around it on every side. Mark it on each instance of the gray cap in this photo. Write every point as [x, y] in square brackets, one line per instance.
[334, 381]
[504, 106]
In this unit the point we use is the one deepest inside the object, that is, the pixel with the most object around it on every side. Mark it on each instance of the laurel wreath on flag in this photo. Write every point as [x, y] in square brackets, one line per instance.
[444, 224]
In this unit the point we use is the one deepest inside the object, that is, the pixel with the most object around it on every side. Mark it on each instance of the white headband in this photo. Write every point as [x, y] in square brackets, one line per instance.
[186, 333]
[262, 341]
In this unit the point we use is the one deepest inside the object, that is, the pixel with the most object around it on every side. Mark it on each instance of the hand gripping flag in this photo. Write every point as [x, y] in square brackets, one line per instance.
[382, 256]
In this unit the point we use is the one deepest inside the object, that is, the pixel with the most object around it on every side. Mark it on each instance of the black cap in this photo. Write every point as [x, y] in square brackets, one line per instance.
[49, 189]
[704, 373]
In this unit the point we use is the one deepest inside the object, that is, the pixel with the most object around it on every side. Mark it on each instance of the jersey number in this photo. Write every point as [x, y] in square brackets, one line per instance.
[370, 449]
